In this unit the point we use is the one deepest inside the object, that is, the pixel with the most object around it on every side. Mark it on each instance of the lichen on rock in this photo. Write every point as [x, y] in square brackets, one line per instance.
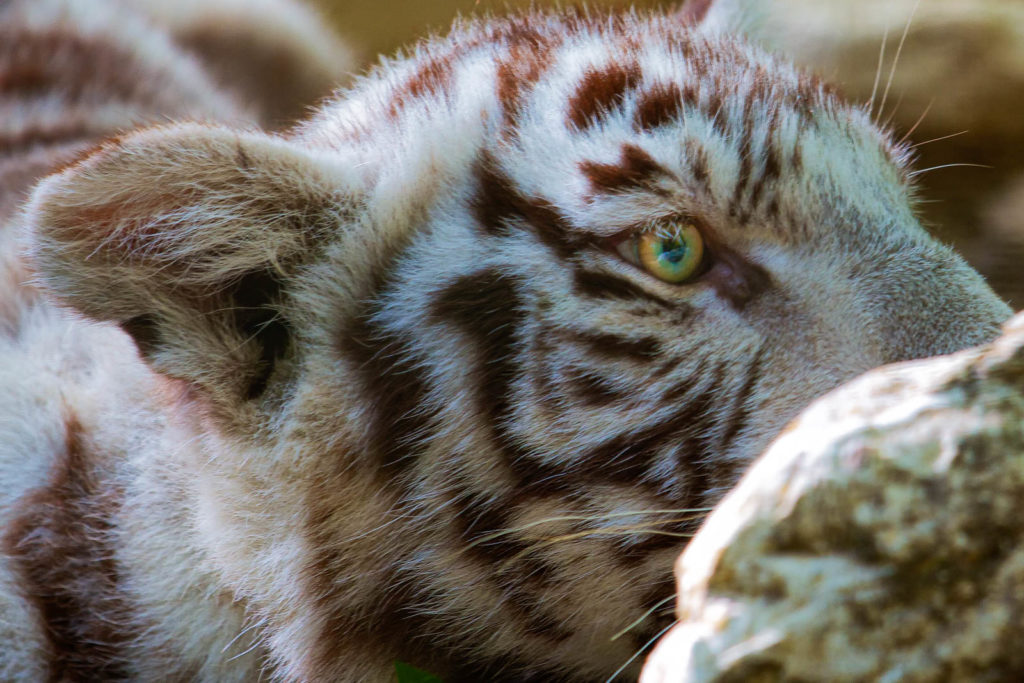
[880, 538]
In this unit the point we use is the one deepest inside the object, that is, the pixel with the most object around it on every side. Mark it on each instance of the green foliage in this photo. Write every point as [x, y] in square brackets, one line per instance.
[410, 674]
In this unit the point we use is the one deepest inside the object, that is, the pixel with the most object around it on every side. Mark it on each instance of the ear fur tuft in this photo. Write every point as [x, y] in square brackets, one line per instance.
[188, 237]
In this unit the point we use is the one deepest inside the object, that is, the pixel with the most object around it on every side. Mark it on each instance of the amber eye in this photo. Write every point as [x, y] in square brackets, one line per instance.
[672, 253]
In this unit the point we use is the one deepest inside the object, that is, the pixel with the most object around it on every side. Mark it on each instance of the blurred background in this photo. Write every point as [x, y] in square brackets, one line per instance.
[961, 69]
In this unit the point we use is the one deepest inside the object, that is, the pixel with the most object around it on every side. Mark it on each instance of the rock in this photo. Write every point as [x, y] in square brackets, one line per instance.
[880, 538]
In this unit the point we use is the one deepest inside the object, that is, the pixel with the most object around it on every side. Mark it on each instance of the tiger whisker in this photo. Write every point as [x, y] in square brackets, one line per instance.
[878, 72]
[918, 123]
[892, 115]
[641, 651]
[590, 518]
[896, 59]
[939, 139]
[642, 617]
[611, 531]
[936, 168]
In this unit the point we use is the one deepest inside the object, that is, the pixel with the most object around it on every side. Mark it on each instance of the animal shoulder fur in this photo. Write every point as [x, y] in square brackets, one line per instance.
[393, 385]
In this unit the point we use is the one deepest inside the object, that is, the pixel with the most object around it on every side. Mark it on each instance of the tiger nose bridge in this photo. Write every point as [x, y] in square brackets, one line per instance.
[936, 308]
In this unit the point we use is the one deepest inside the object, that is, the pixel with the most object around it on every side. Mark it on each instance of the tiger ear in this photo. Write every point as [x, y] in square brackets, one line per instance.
[727, 16]
[189, 238]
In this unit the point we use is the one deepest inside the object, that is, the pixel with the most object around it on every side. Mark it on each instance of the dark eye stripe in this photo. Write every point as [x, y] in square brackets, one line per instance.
[609, 345]
[607, 286]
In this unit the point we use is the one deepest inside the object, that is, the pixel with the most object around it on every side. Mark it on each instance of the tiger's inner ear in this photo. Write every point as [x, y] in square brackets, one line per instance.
[189, 238]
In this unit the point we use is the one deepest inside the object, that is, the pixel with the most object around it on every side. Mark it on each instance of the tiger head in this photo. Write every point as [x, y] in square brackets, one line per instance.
[465, 355]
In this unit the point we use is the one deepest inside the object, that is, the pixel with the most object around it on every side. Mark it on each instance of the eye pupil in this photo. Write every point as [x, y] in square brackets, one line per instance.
[674, 257]
[674, 252]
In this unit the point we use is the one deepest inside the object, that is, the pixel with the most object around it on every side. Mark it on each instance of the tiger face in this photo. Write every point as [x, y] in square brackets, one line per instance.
[461, 361]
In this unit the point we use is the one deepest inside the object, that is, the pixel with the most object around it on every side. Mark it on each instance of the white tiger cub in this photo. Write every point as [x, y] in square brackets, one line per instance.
[447, 373]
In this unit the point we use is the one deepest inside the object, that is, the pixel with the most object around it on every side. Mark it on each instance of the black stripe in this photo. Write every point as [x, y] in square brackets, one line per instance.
[477, 518]
[746, 164]
[636, 169]
[664, 614]
[609, 345]
[594, 390]
[700, 165]
[496, 201]
[628, 456]
[498, 205]
[697, 460]
[396, 387]
[739, 414]
[519, 575]
[488, 309]
[670, 537]
[685, 386]
[772, 165]
[607, 286]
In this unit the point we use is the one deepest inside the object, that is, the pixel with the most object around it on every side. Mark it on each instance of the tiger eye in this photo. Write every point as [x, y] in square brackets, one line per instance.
[672, 254]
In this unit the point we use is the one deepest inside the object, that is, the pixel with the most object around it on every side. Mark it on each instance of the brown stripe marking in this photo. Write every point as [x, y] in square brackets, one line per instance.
[700, 165]
[691, 96]
[655, 602]
[432, 77]
[796, 161]
[65, 133]
[82, 70]
[601, 91]
[520, 71]
[345, 628]
[37, 63]
[488, 309]
[659, 106]
[716, 113]
[696, 456]
[636, 169]
[628, 457]
[771, 171]
[496, 202]
[683, 388]
[61, 541]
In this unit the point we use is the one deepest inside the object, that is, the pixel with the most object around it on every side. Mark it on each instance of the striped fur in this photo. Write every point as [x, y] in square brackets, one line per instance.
[401, 399]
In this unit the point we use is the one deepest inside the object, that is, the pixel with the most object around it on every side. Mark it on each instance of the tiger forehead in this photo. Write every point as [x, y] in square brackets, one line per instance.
[615, 55]
[588, 107]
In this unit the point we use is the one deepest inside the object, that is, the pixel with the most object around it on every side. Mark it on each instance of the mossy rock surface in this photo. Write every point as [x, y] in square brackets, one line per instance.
[880, 538]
